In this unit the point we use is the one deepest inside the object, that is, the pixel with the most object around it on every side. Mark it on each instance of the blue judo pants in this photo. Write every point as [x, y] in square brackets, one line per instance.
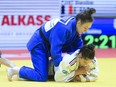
[40, 63]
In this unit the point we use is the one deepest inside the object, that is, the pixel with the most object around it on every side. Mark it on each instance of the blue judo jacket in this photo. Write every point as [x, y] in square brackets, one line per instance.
[62, 37]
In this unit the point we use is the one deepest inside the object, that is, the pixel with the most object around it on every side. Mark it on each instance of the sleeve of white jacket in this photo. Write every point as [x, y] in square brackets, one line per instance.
[63, 72]
[93, 74]
[62, 75]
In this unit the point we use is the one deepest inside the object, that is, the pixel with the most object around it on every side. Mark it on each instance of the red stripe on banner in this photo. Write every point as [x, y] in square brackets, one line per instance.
[70, 9]
[16, 54]
[14, 51]
[24, 54]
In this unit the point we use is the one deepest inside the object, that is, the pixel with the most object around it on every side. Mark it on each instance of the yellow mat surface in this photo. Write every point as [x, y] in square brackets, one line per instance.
[107, 76]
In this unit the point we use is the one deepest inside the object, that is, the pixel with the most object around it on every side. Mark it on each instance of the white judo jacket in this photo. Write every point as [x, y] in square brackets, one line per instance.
[66, 70]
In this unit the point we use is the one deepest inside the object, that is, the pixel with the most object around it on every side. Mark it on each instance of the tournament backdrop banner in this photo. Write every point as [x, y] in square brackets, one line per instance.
[20, 18]
[103, 26]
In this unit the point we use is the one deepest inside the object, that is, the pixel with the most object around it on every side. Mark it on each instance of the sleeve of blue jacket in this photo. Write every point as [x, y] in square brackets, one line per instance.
[57, 39]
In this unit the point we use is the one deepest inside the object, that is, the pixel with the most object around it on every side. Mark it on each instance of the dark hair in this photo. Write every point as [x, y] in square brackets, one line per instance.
[88, 51]
[86, 15]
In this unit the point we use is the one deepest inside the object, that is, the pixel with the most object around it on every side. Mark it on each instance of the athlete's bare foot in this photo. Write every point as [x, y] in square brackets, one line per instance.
[11, 72]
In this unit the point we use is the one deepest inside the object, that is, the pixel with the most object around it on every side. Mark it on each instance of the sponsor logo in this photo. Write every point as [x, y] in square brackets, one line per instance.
[64, 71]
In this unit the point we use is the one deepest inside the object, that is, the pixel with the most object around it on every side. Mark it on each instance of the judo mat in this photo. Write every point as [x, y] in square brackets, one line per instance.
[107, 76]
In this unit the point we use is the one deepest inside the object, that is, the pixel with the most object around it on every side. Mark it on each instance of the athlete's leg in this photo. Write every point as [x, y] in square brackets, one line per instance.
[5, 61]
[40, 63]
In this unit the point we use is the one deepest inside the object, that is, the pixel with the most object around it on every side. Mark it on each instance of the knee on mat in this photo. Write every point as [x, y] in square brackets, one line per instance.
[42, 79]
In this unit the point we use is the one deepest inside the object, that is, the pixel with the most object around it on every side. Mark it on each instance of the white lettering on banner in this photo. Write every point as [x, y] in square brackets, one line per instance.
[51, 24]
[114, 23]
[94, 31]
[24, 20]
